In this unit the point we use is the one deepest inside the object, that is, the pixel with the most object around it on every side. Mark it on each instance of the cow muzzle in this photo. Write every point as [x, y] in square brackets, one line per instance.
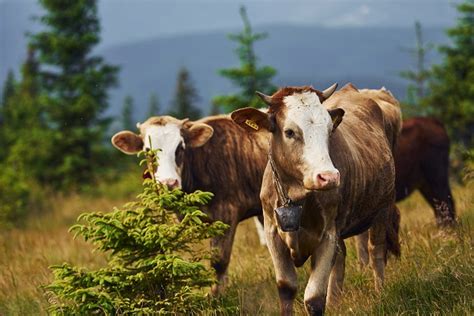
[170, 183]
[325, 181]
[289, 217]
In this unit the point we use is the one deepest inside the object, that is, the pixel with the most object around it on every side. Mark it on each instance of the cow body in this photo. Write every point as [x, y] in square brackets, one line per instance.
[230, 164]
[422, 163]
[360, 148]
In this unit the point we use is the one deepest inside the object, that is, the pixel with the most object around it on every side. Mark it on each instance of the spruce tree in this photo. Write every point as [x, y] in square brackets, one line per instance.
[8, 87]
[7, 93]
[153, 106]
[26, 145]
[249, 77]
[418, 77]
[185, 98]
[451, 87]
[127, 113]
[75, 84]
[156, 265]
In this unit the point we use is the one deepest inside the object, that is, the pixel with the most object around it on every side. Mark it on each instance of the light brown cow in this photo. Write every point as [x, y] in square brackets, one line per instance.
[212, 154]
[327, 179]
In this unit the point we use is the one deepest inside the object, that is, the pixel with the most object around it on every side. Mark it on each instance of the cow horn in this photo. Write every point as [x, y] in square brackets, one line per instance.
[265, 98]
[329, 91]
[184, 121]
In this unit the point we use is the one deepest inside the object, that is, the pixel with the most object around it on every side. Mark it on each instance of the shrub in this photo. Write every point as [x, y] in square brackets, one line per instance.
[155, 263]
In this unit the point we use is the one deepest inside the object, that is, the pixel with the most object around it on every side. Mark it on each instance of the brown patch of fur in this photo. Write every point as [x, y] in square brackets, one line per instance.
[230, 165]
[277, 97]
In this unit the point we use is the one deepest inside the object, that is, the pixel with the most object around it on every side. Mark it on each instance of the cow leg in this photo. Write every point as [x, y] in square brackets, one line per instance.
[435, 188]
[336, 279]
[377, 248]
[260, 230]
[322, 262]
[361, 242]
[220, 262]
[285, 272]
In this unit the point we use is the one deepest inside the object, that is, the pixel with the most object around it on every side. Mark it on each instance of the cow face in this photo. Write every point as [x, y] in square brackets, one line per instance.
[171, 137]
[301, 127]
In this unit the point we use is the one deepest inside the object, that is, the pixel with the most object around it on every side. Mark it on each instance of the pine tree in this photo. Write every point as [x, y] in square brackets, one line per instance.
[26, 144]
[249, 77]
[153, 106]
[75, 85]
[127, 114]
[8, 87]
[418, 78]
[7, 93]
[185, 98]
[452, 84]
[155, 263]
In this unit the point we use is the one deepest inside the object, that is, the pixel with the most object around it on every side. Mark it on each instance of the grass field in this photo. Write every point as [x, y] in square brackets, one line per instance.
[434, 276]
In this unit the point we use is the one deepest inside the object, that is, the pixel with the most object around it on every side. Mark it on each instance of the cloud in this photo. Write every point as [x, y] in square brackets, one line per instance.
[358, 17]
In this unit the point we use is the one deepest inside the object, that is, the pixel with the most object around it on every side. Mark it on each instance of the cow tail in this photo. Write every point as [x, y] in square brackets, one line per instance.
[392, 231]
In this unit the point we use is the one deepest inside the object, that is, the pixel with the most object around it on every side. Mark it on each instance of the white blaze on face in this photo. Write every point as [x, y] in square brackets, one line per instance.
[306, 111]
[167, 138]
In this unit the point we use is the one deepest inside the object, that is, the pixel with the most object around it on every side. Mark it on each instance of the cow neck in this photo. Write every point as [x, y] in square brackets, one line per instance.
[282, 194]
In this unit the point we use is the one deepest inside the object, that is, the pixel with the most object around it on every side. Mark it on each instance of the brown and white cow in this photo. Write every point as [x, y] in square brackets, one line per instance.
[212, 154]
[327, 179]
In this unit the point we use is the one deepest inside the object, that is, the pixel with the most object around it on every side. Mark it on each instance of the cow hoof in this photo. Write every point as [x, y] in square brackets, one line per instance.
[315, 306]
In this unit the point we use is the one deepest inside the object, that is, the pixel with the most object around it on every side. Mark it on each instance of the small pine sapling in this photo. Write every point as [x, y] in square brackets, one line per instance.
[155, 257]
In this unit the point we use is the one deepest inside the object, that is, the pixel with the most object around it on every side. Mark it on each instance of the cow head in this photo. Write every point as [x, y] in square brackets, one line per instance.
[171, 136]
[300, 126]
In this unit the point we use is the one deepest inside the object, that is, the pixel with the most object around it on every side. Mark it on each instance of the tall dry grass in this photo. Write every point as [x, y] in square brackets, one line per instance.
[435, 274]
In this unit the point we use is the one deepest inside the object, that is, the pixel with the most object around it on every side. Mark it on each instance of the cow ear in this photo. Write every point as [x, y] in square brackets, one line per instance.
[197, 134]
[336, 116]
[252, 120]
[127, 142]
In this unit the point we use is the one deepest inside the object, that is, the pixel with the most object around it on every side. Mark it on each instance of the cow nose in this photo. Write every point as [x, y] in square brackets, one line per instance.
[327, 180]
[170, 183]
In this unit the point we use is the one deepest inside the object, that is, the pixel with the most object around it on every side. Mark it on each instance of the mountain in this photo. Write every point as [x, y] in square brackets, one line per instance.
[366, 56]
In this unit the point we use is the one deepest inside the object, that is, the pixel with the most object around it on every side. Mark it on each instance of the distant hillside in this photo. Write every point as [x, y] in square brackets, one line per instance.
[368, 57]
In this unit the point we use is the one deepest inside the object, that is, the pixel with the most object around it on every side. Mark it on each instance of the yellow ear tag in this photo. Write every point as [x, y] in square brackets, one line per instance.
[252, 124]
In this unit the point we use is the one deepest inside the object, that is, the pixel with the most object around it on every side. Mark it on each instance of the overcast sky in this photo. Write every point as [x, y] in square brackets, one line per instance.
[131, 20]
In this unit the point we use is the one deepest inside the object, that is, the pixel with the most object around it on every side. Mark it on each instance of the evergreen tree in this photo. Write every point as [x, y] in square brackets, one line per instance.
[75, 85]
[185, 98]
[26, 144]
[155, 263]
[418, 78]
[7, 92]
[452, 84]
[8, 87]
[249, 78]
[127, 114]
[153, 106]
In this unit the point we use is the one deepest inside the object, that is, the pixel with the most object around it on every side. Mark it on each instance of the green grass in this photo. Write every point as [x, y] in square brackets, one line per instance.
[434, 276]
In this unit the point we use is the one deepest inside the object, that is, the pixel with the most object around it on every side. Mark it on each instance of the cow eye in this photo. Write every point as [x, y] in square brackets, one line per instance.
[289, 133]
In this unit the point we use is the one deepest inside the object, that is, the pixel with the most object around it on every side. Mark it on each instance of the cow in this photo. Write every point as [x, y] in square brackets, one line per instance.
[212, 154]
[327, 179]
[421, 163]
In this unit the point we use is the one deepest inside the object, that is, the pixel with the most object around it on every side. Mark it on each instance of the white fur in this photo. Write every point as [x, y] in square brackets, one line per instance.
[306, 111]
[166, 138]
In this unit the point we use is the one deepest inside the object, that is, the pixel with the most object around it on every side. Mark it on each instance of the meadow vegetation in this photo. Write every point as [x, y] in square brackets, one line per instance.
[435, 274]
